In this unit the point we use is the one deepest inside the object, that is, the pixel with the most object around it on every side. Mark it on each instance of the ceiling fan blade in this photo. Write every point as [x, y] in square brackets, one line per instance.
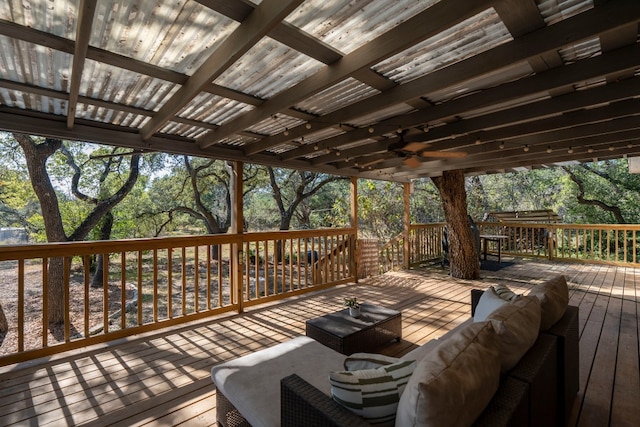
[415, 146]
[444, 154]
[412, 162]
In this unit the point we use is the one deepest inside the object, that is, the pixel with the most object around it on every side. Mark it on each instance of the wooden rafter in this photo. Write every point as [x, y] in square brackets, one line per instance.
[414, 30]
[256, 26]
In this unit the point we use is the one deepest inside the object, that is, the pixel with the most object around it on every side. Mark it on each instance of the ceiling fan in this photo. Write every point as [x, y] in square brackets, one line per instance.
[410, 151]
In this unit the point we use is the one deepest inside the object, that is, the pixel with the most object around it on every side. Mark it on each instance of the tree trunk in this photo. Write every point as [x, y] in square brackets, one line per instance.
[463, 256]
[36, 156]
[105, 234]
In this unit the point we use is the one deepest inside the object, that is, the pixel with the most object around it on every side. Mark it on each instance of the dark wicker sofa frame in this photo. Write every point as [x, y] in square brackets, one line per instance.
[539, 390]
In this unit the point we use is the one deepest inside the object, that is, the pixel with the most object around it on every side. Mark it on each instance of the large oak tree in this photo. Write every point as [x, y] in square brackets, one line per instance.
[37, 153]
[463, 252]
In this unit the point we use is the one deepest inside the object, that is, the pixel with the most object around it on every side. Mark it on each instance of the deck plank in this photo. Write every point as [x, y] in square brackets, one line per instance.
[163, 378]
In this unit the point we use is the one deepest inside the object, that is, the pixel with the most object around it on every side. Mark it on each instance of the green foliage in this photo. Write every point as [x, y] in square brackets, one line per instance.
[608, 182]
[381, 209]
[425, 203]
[164, 197]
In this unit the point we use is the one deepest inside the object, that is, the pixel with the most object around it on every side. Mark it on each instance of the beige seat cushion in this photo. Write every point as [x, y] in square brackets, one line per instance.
[554, 298]
[517, 325]
[453, 384]
[252, 382]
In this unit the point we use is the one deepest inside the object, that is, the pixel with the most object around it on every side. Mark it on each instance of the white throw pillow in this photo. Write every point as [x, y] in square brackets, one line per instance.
[489, 301]
[372, 394]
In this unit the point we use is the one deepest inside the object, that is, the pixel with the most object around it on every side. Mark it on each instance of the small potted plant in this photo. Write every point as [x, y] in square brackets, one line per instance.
[354, 306]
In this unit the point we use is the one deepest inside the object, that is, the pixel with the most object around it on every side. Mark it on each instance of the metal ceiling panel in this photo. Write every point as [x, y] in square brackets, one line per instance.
[182, 129]
[338, 96]
[504, 75]
[469, 38]
[55, 17]
[346, 25]
[107, 115]
[33, 64]
[268, 69]
[135, 73]
[275, 124]
[380, 115]
[584, 50]
[213, 109]
[173, 34]
[28, 101]
[109, 83]
[556, 10]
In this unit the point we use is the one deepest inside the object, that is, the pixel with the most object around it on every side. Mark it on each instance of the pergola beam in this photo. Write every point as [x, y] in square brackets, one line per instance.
[422, 26]
[257, 25]
[548, 39]
[86, 11]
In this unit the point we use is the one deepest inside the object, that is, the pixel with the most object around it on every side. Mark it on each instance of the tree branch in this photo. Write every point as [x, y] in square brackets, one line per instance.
[615, 210]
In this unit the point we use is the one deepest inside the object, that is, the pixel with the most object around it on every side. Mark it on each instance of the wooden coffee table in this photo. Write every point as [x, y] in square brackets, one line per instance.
[374, 327]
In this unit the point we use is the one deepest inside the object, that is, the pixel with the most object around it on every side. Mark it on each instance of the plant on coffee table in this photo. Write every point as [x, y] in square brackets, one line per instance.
[354, 306]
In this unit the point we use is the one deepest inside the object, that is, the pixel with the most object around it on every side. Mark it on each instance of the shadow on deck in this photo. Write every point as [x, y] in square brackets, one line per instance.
[163, 378]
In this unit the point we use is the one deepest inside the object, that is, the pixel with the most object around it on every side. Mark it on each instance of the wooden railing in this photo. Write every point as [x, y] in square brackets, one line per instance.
[605, 243]
[596, 243]
[425, 244]
[154, 283]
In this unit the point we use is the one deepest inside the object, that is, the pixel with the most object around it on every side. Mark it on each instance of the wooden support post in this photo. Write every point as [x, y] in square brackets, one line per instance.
[406, 249]
[237, 228]
[353, 219]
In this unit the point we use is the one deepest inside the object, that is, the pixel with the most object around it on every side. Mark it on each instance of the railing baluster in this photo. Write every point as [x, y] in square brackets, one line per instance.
[123, 293]
[21, 305]
[45, 302]
[154, 262]
[87, 281]
[183, 290]
[140, 295]
[170, 283]
[66, 266]
[105, 291]
[196, 262]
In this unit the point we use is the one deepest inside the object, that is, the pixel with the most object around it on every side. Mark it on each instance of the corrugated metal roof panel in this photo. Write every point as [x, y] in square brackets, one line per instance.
[184, 130]
[556, 10]
[380, 115]
[506, 105]
[174, 34]
[214, 109]
[514, 72]
[583, 50]
[275, 124]
[267, 69]
[347, 25]
[338, 96]
[55, 17]
[36, 65]
[471, 37]
[105, 82]
[237, 140]
[106, 115]
[22, 100]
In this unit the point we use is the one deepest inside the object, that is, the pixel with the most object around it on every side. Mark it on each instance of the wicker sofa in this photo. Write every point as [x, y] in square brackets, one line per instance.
[538, 390]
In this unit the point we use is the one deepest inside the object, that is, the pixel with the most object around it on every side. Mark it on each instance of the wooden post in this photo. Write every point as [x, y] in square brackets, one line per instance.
[353, 219]
[406, 248]
[237, 228]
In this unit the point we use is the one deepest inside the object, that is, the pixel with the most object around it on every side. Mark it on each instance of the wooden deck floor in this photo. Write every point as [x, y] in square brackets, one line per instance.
[163, 379]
